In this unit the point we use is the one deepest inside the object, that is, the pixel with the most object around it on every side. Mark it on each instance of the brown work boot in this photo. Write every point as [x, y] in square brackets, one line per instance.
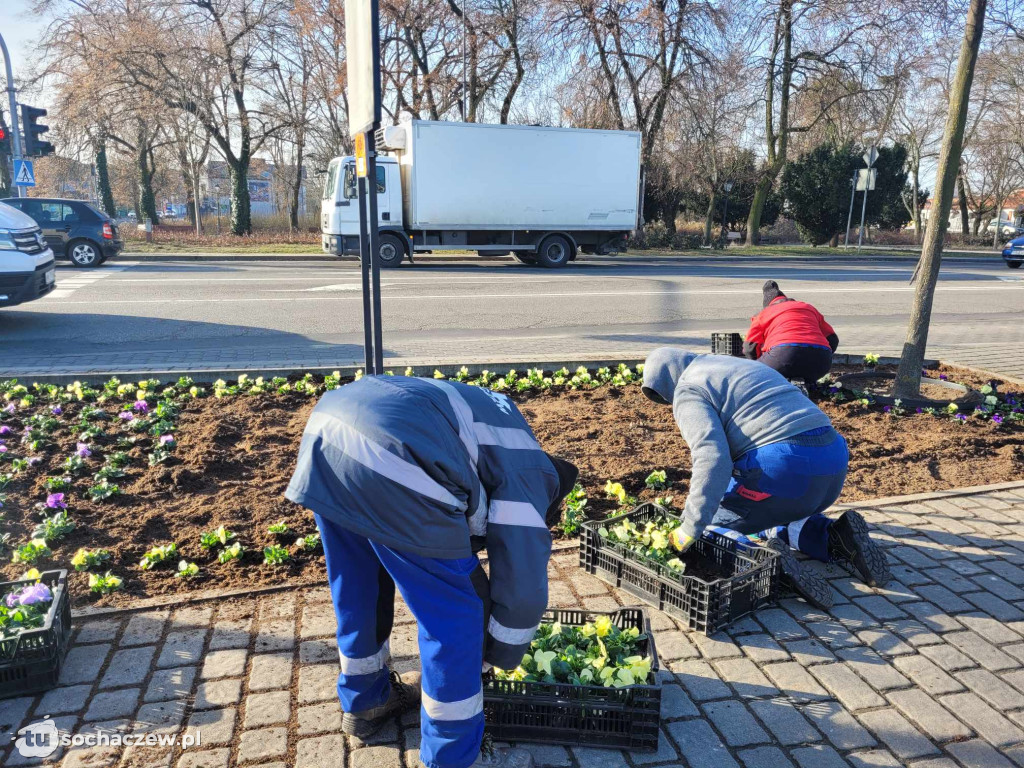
[402, 698]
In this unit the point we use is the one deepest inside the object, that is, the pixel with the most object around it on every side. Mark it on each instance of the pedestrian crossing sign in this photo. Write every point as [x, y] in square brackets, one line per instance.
[24, 174]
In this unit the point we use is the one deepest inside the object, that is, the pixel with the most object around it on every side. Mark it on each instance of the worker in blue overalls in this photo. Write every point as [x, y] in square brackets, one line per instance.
[408, 478]
[766, 462]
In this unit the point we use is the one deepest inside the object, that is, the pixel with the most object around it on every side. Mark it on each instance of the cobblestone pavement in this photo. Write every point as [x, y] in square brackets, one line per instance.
[927, 673]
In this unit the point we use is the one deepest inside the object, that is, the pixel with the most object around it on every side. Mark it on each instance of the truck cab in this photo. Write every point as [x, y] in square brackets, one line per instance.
[339, 210]
[26, 262]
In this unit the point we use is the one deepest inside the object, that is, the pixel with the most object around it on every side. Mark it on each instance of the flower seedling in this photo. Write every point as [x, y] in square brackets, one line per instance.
[58, 485]
[103, 490]
[275, 555]
[74, 464]
[158, 555]
[104, 584]
[89, 559]
[54, 528]
[575, 503]
[234, 552]
[211, 539]
[32, 552]
[159, 455]
[657, 480]
[279, 527]
[870, 361]
[617, 492]
[186, 570]
[650, 540]
[308, 543]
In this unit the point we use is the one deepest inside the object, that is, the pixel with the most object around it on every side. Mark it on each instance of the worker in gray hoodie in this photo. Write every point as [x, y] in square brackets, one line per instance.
[766, 462]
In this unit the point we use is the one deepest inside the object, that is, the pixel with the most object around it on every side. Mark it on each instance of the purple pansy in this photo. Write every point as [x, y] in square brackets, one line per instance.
[33, 460]
[997, 418]
[30, 595]
[166, 439]
[126, 415]
[10, 408]
[56, 410]
[82, 450]
[141, 406]
[960, 417]
[887, 409]
[56, 501]
[5, 430]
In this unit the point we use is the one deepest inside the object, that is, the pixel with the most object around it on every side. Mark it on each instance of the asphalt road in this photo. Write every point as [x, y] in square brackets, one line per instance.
[188, 314]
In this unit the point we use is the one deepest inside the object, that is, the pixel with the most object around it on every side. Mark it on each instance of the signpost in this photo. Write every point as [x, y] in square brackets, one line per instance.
[12, 101]
[866, 181]
[362, 42]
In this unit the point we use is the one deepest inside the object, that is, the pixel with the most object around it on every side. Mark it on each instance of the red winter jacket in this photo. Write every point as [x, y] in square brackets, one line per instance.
[786, 321]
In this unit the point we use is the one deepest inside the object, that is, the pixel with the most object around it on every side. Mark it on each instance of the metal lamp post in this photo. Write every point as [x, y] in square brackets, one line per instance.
[727, 186]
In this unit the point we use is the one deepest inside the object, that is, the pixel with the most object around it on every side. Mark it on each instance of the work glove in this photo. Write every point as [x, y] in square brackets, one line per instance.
[680, 540]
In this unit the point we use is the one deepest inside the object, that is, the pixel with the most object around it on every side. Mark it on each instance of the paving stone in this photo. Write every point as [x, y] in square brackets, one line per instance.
[160, 717]
[927, 675]
[191, 617]
[207, 758]
[809, 652]
[256, 746]
[144, 628]
[819, 756]
[182, 648]
[700, 680]
[276, 635]
[267, 708]
[64, 724]
[793, 680]
[673, 645]
[784, 720]
[599, 758]
[781, 625]
[995, 606]
[318, 621]
[929, 715]
[717, 646]
[988, 723]
[111, 704]
[91, 757]
[762, 648]
[587, 585]
[316, 683]
[99, 631]
[12, 713]
[932, 617]
[900, 736]
[319, 651]
[270, 671]
[913, 632]
[879, 607]
[386, 735]
[675, 703]
[699, 745]
[225, 663]
[746, 679]
[1015, 678]
[944, 598]
[993, 630]
[838, 725]
[747, 625]
[319, 718]
[947, 657]
[833, 634]
[977, 754]
[128, 666]
[321, 752]
[884, 642]
[981, 651]
[218, 693]
[216, 726]
[231, 633]
[765, 757]
[83, 663]
[167, 684]
[992, 689]
[879, 673]
[59, 701]
[735, 723]
[849, 689]
[878, 758]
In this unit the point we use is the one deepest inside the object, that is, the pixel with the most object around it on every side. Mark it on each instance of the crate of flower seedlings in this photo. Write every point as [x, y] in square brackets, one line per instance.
[35, 631]
[587, 679]
[727, 344]
[718, 580]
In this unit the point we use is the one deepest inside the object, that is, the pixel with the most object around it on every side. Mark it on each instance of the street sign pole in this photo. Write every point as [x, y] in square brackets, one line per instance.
[869, 157]
[849, 216]
[12, 101]
[364, 271]
[863, 210]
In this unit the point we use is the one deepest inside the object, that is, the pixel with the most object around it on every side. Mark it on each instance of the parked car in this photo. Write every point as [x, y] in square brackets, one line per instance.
[73, 229]
[1007, 229]
[1013, 253]
[26, 263]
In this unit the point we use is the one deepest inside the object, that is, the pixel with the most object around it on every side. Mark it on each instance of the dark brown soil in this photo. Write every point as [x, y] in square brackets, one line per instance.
[235, 457]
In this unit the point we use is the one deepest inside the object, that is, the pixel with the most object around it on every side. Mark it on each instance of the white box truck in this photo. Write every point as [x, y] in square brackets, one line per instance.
[542, 194]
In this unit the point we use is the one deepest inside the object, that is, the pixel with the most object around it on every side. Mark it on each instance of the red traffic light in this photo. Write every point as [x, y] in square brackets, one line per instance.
[3, 133]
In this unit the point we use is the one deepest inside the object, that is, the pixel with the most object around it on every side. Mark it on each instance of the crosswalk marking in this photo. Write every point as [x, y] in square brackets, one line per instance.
[66, 286]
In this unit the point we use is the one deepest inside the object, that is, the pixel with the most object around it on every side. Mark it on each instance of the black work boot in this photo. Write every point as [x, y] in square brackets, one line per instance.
[848, 540]
[811, 586]
[364, 724]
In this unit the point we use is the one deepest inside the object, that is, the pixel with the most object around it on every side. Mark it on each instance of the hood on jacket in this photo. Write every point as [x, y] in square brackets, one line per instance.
[662, 370]
[771, 291]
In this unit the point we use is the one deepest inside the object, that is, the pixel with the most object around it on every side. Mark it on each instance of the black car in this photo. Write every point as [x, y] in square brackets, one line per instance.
[73, 229]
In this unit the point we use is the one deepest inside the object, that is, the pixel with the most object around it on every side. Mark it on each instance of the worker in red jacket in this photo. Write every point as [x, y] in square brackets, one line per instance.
[790, 336]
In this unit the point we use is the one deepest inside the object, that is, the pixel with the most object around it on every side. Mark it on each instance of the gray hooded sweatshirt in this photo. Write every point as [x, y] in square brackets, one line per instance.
[725, 407]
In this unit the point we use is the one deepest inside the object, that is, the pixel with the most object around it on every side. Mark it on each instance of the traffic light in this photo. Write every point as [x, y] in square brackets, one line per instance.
[5, 139]
[33, 130]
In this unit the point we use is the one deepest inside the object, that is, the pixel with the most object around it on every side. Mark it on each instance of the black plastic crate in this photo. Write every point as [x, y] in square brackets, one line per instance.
[727, 344]
[705, 606]
[579, 715]
[30, 662]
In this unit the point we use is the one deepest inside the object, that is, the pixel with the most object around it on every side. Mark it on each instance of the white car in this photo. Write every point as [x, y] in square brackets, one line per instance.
[27, 268]
[1006, 228]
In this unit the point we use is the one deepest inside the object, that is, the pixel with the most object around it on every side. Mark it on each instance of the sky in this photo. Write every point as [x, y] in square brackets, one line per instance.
[20, 31]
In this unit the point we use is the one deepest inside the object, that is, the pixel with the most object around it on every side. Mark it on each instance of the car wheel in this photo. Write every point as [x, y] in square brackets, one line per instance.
[554, 252]
[390, 250]
[1014, 264]
[84, 254]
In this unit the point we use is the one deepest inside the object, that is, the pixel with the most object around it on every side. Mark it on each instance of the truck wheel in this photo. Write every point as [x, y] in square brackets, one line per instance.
[390, 250]
[554, 251]
[525, 258]
[1014, 264]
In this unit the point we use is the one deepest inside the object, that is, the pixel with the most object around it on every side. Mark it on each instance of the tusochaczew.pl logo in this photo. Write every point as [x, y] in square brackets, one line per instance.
[42, 739]
[38, 739]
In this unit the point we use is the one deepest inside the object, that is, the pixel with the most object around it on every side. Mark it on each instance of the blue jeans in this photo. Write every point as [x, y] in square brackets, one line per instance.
[780, 490]
[450, 612]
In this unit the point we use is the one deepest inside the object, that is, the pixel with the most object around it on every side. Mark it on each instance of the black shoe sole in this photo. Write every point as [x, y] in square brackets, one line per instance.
[363, 729]
[810, 586]
[867, 558]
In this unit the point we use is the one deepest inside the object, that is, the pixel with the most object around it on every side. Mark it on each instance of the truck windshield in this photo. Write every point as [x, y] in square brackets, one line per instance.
[331, 183]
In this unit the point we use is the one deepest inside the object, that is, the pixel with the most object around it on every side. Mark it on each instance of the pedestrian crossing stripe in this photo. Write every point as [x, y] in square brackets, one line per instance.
[67, 286]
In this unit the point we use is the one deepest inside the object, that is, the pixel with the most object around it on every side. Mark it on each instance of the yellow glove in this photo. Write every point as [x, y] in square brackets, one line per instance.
[680, 540]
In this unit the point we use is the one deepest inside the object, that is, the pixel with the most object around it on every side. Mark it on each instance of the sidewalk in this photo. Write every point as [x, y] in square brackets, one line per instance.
[927, 673]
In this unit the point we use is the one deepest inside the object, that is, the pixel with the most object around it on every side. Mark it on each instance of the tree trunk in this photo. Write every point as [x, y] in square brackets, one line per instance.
[241, 206]
[965, 214]
[103, 179]
[999, 224]
[917, 206]
[293, 213]
[197, 203]
[147, 199]
[908, 378]
[764, 187]
[709, 219]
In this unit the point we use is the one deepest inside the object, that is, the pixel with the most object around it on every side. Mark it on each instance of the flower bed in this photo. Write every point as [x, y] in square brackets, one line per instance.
[152, 488]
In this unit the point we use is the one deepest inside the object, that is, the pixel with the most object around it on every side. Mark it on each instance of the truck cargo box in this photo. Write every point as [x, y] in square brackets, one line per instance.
[471, 176]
